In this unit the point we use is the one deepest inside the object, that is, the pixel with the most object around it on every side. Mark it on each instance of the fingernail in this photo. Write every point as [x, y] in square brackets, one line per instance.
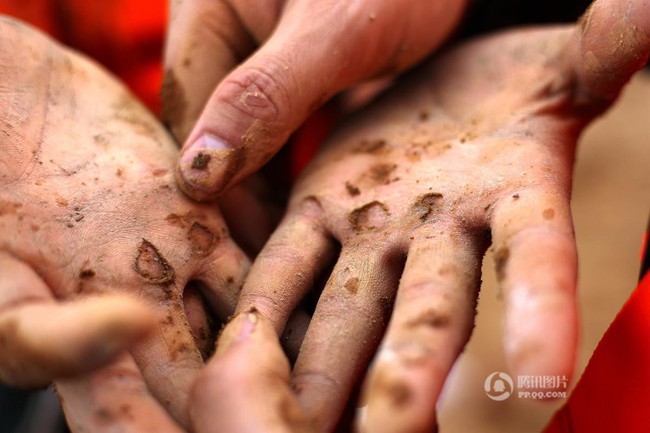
[207, 166]
[237, 330]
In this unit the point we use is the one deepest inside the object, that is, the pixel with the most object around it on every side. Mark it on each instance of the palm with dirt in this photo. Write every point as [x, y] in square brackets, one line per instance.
[476, 147]
[89, 206]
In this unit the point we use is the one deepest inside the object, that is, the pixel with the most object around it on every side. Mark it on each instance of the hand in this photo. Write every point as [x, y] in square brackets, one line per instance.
[478, 147]
[90, 213]
[249, 368]
[234, 104]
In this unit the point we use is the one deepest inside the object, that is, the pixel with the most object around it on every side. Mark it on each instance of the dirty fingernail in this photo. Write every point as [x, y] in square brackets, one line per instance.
[207, 166]
[238, 329]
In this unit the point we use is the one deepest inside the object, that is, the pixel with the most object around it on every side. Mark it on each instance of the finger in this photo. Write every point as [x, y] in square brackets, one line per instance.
[431, 322]
[114, 399]
[213, 293]
[222, 274]
[612, 42]
[345, 330]
[41, 339]
[222, 285]
[536, 263]
[205, 41]
[288, 265]
[251, 369]
[169, 359]
[258, 105]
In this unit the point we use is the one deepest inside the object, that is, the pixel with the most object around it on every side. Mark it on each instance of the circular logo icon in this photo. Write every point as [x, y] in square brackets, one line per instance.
[498, 386]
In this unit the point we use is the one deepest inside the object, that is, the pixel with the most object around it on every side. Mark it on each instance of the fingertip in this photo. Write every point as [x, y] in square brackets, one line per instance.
[238, 330]
[402, 389]
[46, 340]
[250, 367]
[541, 341]
[112, 324]
[614, 43]
[207, 167]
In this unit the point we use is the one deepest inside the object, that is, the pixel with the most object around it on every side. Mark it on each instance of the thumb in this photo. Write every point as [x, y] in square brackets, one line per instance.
[251, 114]
[317, 49]
[205, 41]
[612, 42]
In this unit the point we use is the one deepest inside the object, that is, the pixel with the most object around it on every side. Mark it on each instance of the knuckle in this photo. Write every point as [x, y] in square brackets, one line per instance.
[434, 318]
[258, 92]
[280, 251]
[267, 305]
[313, 378]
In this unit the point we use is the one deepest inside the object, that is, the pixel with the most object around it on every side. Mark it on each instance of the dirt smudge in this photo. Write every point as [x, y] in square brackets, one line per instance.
[86, 273]
[201, 161]
[173, 100]
[152, 266]
[501, 257]
[427, 205]
[548, 214]
[9, 208]
[381, 173]
[175, 220]
[61, 201]
[202, 238]
[352, 190]
[371, 216]
[430, 319]
[371, 146]
[352, 285]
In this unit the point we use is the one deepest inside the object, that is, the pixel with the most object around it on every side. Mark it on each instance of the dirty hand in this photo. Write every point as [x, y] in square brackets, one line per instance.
[100, 251]
[250, 368]
[478, 147]
[242, 76]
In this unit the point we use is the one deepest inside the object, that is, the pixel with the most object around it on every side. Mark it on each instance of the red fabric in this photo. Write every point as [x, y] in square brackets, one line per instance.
[613, 394]
[307, 140]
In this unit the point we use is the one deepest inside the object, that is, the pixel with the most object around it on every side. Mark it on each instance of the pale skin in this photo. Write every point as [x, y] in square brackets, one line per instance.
[477, 146]
[98, 245]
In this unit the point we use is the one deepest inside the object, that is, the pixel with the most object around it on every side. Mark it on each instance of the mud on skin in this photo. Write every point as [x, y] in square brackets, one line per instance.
[471, 148]
[104, 216]
[152, 266]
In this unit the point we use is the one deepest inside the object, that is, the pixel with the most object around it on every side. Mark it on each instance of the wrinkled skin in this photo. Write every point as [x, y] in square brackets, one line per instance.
[242, 76]
[477, 147]
[89, 206]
